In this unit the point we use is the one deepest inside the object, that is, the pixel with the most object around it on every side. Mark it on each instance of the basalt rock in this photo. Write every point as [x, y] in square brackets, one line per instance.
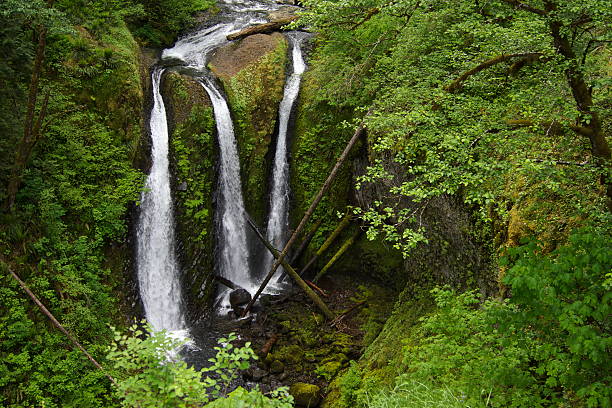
[239, 297]
[252, 72]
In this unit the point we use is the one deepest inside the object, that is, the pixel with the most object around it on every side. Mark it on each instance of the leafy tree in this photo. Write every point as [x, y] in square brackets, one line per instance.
[476, 99]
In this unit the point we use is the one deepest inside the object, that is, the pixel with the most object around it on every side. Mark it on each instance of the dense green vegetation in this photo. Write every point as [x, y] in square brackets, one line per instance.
[505, 105]
[153, 378]
[71, 73]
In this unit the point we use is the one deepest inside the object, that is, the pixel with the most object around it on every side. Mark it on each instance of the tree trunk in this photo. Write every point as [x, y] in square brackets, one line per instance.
[330, 240]
[338, 254]
[584, 101]
[332, 175]
[31, 130]
[305, 242]
[309, 292]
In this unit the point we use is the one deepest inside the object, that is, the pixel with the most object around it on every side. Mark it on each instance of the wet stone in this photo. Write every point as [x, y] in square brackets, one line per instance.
[239, 297]
[255, 374]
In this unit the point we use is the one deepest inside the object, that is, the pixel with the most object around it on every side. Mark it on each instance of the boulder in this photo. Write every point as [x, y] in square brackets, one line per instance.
[305, 395]
[277, 367]
[239, 297]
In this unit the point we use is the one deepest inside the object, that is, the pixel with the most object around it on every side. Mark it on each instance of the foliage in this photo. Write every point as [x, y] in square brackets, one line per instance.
[66, 235]
[151, 377]
[547, 345]
[564, 301]
[164, 19]
[503, 138]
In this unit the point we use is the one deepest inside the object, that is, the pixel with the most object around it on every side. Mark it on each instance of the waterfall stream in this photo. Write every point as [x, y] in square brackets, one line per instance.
[160, 288]
[278, 217]
[234, 262]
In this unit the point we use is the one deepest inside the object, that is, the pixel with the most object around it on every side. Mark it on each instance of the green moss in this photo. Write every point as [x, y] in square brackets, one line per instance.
[254, 95]
[291, 354]
[319, 139]
[382, 360]
[193, 157]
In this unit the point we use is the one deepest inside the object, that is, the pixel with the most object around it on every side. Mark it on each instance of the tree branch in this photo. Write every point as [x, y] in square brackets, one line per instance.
[57, 324]
[522, 6]
[458, 83]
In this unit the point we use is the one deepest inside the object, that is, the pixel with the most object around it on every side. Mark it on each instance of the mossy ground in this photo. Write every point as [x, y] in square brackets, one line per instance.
[308, 349]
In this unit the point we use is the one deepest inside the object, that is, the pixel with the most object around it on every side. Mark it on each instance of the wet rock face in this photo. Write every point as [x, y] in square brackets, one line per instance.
[229, 60]
[192, 158]
[252, 72]
[305, 395]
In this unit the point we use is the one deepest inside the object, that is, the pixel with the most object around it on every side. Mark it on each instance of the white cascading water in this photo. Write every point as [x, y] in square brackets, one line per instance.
[278, 217]
[193, 51]
[234, 262]
[158, 272]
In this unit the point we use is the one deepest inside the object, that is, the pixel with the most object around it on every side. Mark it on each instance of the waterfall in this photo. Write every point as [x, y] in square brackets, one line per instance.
[157, 268]
[158, 272]
[234, 262]
[278, 217]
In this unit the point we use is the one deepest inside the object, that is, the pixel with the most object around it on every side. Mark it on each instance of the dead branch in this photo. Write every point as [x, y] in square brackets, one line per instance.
[57, 324]
[303, 285]
[361, 130]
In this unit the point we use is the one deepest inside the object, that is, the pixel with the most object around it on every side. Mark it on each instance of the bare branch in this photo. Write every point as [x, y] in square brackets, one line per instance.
[458, 83]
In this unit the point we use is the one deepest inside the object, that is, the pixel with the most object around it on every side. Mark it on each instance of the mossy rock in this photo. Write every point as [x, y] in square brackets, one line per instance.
[252, 72]
[193, 153]
[329, 370]
[305, 395]
[291, 354]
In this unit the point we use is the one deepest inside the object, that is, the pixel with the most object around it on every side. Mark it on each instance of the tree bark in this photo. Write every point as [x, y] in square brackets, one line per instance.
[264, 28]
[347, 244]
[57, 324]
[584, 101]
[330, 240]
[326, 185]
[31, 128]
[458, 83]
[309, 292]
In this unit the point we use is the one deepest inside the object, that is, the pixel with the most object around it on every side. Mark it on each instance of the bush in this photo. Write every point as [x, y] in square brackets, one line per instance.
[149, 376]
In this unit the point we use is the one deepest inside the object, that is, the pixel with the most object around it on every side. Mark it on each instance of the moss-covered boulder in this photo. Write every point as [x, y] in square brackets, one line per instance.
[193, 156]
[252, 72]
[305, 395]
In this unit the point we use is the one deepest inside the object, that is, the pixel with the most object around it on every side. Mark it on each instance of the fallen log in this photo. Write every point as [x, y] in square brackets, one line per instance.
[315, 287]
[361, 130]
[268, 346]
[306, 241]
[337, 256]
[330, 240]
[226, 282]
[264, 28]
[309, 292]
[303, 245]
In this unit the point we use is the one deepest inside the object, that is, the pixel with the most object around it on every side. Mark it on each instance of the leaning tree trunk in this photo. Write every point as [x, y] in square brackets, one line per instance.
[32, 126]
